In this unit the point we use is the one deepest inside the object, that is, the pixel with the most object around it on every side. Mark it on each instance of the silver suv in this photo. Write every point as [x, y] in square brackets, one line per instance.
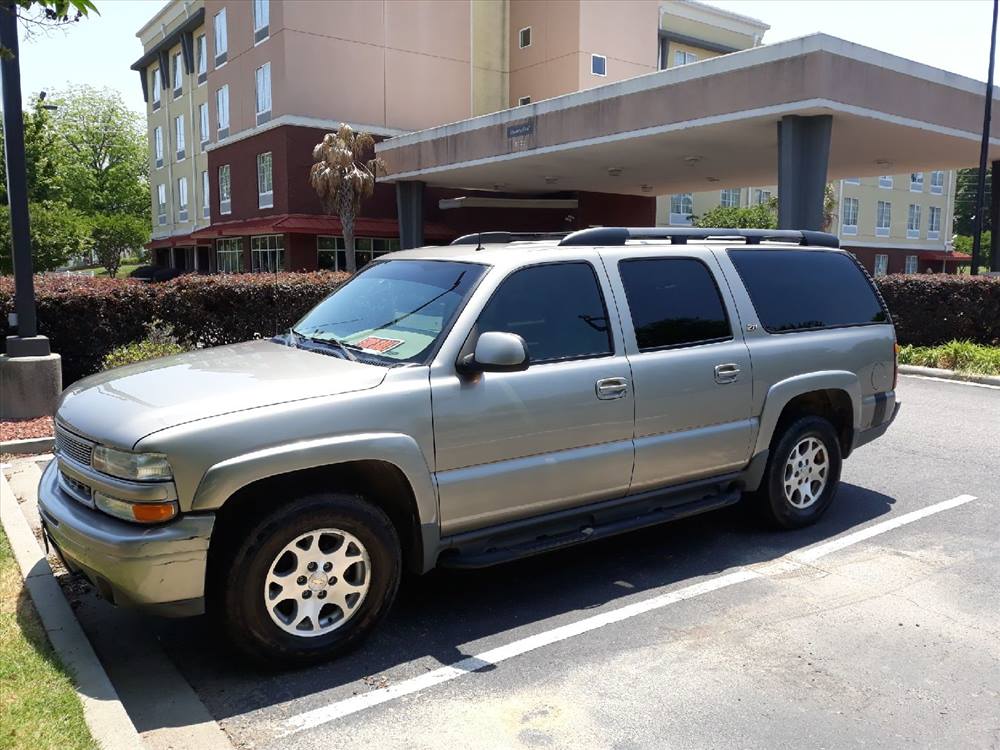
[467, 405]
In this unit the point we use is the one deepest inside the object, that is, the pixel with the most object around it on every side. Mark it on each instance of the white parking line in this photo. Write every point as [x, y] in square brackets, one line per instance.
[950, 380]
[348, 706]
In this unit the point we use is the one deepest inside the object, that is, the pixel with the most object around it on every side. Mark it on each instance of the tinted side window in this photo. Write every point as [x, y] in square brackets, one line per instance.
[558, 309]
[795, 290]
[673, 301]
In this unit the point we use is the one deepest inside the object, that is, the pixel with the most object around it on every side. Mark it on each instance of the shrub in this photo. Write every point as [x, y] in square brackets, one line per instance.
[159, 342]
[963, 356]
[933, 309]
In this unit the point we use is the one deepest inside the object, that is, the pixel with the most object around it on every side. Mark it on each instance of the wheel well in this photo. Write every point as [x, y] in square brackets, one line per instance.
[379, 482]
[832, 404]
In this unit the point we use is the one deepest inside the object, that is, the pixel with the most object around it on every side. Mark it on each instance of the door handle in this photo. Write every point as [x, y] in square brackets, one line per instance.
[726, 373]
[611, 388]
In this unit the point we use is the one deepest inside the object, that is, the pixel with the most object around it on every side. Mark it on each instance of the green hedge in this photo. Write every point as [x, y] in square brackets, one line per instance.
[933, 309]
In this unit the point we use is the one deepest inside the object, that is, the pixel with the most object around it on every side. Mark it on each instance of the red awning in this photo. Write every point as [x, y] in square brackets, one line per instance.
[946, 257]
[364, 226]
[180, 240]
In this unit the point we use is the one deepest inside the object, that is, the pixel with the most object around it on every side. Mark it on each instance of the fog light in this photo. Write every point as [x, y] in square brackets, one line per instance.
[156, 512]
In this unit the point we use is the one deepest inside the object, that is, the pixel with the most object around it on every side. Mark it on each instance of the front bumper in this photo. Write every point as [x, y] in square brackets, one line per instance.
[160, 569]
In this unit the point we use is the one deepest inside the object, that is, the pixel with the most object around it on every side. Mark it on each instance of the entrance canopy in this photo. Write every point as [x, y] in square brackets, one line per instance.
[713, 124]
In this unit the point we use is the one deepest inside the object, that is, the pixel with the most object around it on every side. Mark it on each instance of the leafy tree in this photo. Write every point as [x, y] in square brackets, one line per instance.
[58, 233]
[113, 235]
[37, 16]
[41, 151]
[343, 179]
[966, 182]
[759, 216]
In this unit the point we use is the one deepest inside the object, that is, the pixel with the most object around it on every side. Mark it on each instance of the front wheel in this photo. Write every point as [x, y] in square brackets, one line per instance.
[802, 474]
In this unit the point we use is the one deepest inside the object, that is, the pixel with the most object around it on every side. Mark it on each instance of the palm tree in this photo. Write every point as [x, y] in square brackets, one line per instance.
[343, 178]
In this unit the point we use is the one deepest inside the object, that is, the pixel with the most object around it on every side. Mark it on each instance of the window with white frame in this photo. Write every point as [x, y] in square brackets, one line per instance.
[201, 52]
[157, 88]
[206, 206]
[937, 182]
[913, 222]
[161, 203]
[523, 100]
[203, 124]
[885, 181]
[229, 255]
[182, 199]
[849, 216]
[911, 264]
[261, 20]
[267, 253]
[524, 37]
[881, 264]
[934, 223]
[225, 190]
[683, 58]
[598, 65]
[221, 38]
[730, 198]
[179, 136]
[265, 188]
[916, 182]
[222, 112]
[852, 180]
[883, 218]
[681, 208]
[158, 145]
[331, 253]
[761, 196]
[178, 75]
[263, 93]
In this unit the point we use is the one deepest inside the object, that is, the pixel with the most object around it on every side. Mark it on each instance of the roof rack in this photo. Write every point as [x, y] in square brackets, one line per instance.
[502, 238]
[621, 235]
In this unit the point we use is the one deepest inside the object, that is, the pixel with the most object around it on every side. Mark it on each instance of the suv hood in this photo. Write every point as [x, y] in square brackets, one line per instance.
[123, 405]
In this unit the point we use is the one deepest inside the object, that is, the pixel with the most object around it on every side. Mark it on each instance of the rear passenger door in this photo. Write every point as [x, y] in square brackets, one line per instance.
[690, 366]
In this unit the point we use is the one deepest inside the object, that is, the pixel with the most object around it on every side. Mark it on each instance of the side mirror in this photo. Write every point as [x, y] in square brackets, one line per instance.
[496, 352]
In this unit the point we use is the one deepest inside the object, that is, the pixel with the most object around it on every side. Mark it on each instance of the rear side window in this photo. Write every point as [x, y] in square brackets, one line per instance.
[558, 309]
[673, 302]
[797, 290]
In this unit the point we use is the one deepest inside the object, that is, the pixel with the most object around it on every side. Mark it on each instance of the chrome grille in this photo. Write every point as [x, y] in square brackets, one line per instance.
[73, 447]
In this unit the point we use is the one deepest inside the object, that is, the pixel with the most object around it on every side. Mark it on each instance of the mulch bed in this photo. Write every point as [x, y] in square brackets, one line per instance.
[22, 429]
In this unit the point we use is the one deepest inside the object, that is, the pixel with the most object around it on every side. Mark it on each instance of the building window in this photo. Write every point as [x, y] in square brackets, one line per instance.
[852, 180]
[182, 199]
[221, 38]
[916, 182]
[264, 93]
[161, 204]
[265, 188]
[261, 20]
[913, 222]
[202, 51]
[229, 255]
[158, 145]
[179, 136]
[883, 218]
[178, 76]
[849, 216]
[937, 183]
[681, 208]
[598, 65]
[911, 264]
[934, 223]
[203, 124]
[205, 199]
[683, 58]
[523, 100]
[524, 37]
[885, 181]
[761, 196]
[267, 253]
[157, 88]
[730, 198]
[222, 112]
[331, 254]
[881, 265]
[225, 190]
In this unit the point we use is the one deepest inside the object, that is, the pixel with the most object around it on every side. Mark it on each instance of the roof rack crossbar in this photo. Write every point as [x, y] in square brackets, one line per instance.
[680, 236]
[503, 238]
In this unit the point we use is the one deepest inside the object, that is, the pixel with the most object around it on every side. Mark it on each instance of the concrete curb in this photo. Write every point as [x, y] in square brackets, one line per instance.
[28, 446]
[934, 372]
[102, 709]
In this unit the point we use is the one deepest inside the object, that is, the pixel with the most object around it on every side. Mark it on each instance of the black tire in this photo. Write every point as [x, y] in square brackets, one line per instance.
[241, 607]
[771, 497]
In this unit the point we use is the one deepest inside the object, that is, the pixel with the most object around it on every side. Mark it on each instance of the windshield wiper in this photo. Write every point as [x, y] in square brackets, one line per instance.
[348, 354]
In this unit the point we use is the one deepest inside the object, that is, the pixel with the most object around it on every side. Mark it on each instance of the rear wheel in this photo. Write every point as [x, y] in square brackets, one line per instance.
[802, 473]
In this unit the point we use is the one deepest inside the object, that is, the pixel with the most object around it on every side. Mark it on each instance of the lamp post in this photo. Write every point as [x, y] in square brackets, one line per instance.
[977, 231]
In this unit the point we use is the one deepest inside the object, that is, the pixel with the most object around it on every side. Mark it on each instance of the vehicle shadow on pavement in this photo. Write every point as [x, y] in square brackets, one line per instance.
[436, 614]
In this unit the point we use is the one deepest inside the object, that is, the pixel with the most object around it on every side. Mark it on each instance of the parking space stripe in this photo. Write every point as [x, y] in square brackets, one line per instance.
[331, 712]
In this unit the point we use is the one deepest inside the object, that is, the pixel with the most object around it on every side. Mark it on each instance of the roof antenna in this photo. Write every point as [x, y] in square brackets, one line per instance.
[479, 241]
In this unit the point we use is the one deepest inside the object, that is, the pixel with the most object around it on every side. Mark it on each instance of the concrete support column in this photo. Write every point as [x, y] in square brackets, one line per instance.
[803, 153]
[994, 263]
[410, 210]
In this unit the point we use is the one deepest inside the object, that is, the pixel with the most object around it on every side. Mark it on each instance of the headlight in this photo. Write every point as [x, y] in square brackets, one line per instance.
[141, 467]
[142, 512]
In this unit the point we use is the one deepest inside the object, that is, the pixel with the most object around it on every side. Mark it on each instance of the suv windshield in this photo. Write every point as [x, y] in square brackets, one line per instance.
[392, 311]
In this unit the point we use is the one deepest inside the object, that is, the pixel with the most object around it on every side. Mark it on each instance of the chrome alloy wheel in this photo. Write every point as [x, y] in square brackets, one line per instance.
[317, 582]
[806, 472]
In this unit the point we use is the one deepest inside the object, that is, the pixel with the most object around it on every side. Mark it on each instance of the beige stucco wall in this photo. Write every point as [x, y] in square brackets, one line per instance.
[490, 55]
[706, 29]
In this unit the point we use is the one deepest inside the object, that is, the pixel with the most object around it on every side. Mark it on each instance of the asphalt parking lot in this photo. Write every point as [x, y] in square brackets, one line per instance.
[880, 626]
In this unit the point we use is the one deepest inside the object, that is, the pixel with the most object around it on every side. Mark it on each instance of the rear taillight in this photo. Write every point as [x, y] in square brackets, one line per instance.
[895, 363]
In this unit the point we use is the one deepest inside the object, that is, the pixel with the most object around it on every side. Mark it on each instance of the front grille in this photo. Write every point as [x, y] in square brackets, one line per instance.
[73, 447]
[75, 489]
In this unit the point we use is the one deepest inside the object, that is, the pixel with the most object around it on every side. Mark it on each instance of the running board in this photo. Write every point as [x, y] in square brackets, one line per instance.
[481, 548]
